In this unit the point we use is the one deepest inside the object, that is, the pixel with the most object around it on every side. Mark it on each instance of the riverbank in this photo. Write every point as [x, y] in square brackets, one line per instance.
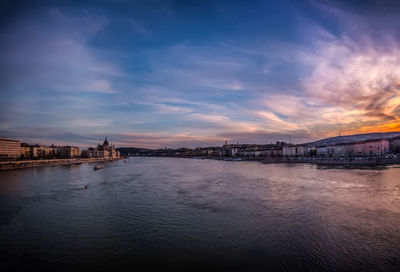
[10, 165]
[345, 162]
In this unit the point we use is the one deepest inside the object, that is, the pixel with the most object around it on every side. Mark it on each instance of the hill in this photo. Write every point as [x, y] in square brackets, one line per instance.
[355, 138]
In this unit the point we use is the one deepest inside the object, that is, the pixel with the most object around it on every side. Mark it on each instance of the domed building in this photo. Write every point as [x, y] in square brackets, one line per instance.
[105, 150]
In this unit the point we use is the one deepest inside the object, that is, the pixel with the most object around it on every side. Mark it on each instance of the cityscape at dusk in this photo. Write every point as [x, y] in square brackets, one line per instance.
[196, 73]
[200, 135]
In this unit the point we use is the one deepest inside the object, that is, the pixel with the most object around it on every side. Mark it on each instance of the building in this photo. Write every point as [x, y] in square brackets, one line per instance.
[360, 148]
[105, 150]
[394, 145]
[251, 150]
[230, 150]
[9, 149]
[25, 151]
[211, 151]
[42, 152]
[369, 148]
[255, 150]
[50, 152]
[184, 152]
[330, 151]
[71, 151]
[291, 150]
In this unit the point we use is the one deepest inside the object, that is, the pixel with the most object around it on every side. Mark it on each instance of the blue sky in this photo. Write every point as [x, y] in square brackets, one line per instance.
[197, 73]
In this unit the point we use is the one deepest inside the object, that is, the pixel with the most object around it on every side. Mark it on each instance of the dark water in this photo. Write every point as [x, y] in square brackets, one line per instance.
[170, 214]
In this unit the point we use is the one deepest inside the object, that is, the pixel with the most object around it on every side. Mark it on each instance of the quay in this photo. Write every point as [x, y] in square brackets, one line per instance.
[10, 165]
[347, 162]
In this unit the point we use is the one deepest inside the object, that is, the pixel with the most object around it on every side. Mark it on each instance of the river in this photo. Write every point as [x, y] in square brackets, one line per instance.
[171, 214]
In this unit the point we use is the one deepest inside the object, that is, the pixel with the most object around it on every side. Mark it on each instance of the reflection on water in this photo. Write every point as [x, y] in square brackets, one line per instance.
[182, 214]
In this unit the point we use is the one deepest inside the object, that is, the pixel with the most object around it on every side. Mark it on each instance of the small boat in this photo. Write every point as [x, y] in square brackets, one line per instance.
[98, 166]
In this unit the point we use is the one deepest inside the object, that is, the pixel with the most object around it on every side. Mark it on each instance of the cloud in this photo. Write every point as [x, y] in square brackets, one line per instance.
[265, 137]
[48, 136]
[362, 79]
[138, 27]
[277, 121]
[86, 75]
[99, 86]
[194, 68]
[50, 50]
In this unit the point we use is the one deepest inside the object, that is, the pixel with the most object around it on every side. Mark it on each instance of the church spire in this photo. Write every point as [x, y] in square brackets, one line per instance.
[106, 142]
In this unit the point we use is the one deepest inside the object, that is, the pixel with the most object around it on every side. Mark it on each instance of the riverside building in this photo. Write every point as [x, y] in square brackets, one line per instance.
[9, 149]
[49, 152]
[105, 150]
[25, 151]
[353, 149]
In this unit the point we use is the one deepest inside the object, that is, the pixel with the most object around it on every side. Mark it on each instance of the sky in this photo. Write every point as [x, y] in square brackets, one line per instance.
[153, 73]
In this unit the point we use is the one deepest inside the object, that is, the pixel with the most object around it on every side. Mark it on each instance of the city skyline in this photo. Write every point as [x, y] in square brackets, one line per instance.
[197, 73]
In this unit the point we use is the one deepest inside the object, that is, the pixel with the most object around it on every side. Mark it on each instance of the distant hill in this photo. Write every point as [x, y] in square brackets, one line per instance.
[355, 138]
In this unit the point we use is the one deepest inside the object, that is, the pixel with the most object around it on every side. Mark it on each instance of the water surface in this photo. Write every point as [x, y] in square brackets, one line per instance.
[180, 214]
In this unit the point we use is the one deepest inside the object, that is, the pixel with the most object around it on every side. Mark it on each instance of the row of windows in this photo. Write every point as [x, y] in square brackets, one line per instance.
[4, 156]
[10, 149]
[14, 145]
